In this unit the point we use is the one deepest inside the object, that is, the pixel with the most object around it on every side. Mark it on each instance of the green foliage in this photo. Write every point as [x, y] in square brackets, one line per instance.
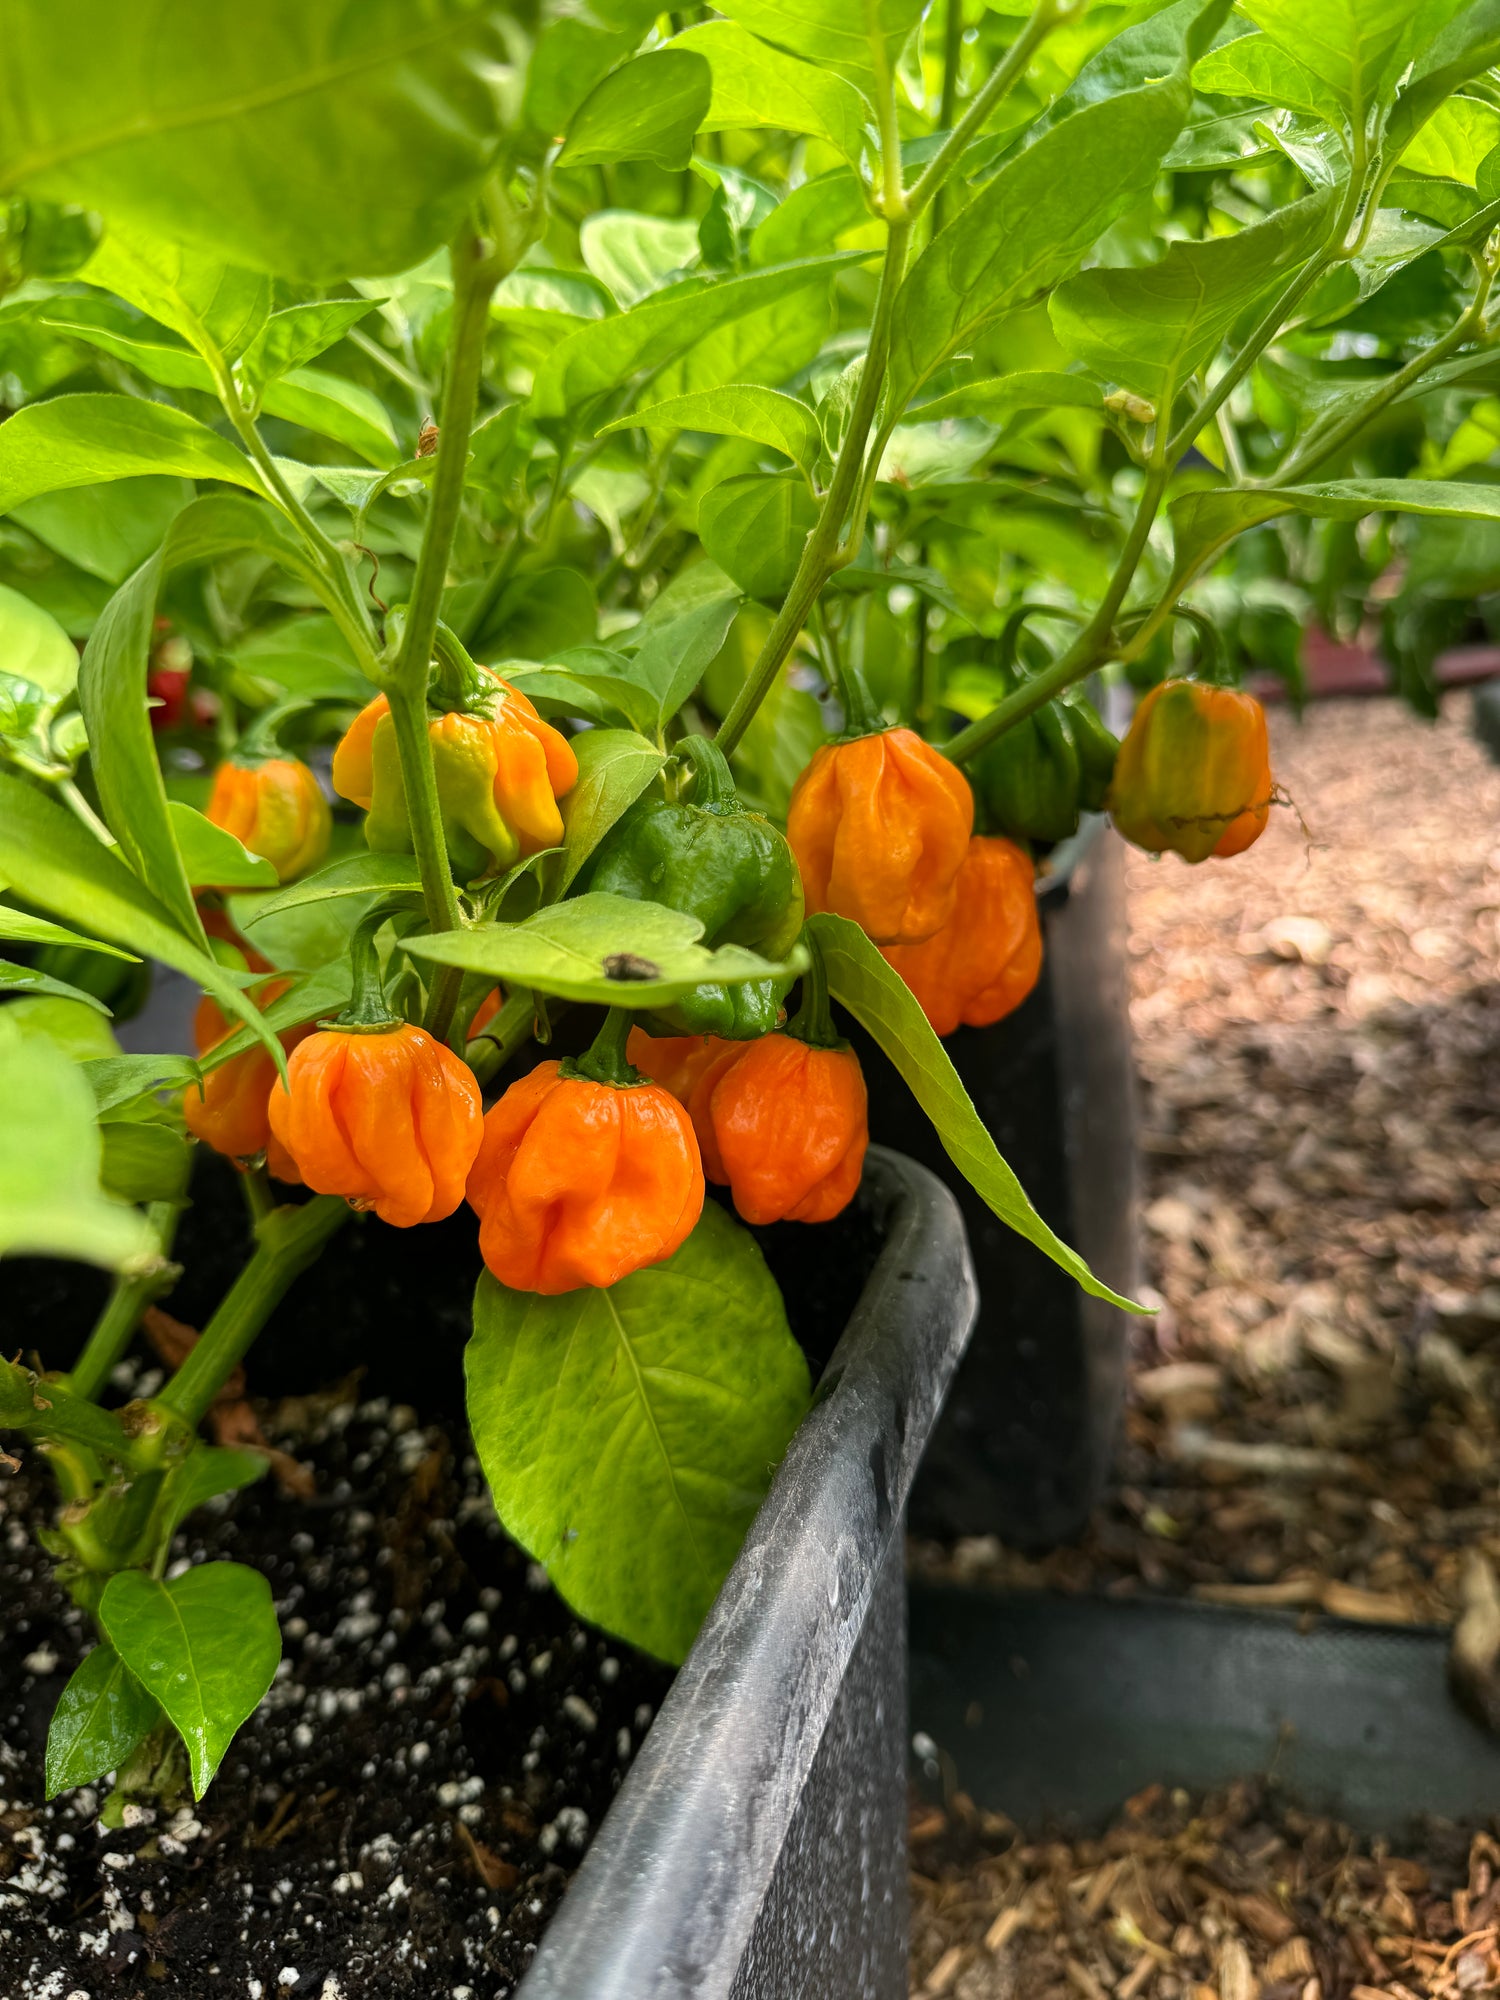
[101, 1716]
[629, 1435]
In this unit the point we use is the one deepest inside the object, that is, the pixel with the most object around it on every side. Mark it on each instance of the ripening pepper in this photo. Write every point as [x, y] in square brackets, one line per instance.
[781, 1122]
[879, 825]
[385, 1116]
[274, 807]
[1194, 772]
[1037, 777]
[230, 1110]
[729, 868]
[985, 960]
[581, 1181]
[500, 772]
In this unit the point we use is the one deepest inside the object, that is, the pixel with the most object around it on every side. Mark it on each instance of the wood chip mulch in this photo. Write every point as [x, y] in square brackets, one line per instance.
[1314, 1414]
[1231, 1897]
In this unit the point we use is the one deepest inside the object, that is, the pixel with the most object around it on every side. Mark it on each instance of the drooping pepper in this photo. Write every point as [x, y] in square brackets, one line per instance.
[375, 1110]
[230, 1110]
[985, 960]
[586, 1173]
[1037, 777]
[275, 807]
[725, 866]
[879, 826]
[1194, 772]
[500, 772]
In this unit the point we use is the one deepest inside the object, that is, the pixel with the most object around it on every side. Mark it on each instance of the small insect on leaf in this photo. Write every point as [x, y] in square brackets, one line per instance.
[629, 965]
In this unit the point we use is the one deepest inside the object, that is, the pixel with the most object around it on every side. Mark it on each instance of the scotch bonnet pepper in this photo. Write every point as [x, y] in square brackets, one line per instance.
[230, 1110]
[985, 960]
[500, 772]
[274, 807]
[581, 1180]
[1194, 772]
[729, 868]
[880, 825]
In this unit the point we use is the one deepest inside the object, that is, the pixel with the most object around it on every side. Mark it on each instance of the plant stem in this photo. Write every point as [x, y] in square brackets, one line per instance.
[128, 1299]
[288, 1240]
[506, 1033]
[998, 84]
[605, 1060]
[84, 811]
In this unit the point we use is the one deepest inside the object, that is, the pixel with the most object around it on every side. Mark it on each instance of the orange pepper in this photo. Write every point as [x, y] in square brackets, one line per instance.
[879, 826]
[230, 1110]
[386, 1117]
[985, 960]
[581, 1183]
[500, 774]
[781, 1123]
[1194, 772]
[276, 809]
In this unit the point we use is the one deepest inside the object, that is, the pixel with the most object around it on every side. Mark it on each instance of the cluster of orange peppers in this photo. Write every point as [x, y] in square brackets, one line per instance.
[589, 1169]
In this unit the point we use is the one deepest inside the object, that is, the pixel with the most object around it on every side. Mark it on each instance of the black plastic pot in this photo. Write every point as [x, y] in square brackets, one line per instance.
[1026, 1438]
[757, 1850]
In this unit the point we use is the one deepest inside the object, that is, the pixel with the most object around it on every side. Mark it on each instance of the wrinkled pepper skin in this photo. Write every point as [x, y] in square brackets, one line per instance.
[230, 1111]
[580, 1183]
[1194, 772]
[276, 809]
[782, 1124]
[879, 826]
[986, 959]
[500, 773]
[731, 870]
[388, 1118]
[1037, 778]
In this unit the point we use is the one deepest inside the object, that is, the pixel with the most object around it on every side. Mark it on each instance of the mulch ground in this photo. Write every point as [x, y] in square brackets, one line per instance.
[1313, 1415]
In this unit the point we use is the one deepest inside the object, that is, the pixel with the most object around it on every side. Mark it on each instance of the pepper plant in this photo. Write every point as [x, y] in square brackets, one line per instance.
[689, 471]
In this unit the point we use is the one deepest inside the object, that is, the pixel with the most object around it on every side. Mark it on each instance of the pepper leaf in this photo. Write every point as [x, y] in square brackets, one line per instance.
[629, 1435]
[101, 1716]
[881, 1001]
[205, 1645]
[614, 768]
[614, 950]
[649, 110]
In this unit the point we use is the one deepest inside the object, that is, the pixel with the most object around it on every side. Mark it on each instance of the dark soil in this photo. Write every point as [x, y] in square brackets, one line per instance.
[403, 1812]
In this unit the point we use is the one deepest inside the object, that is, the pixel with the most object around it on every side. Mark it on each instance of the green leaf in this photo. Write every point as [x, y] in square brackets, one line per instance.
[1031, 225]
[19, 928]
[684, 628]
[755, 85]
[34, 647]
[880, 1000]
[101, 1716]
[51, 1204]
[610, 949]
[614, 768]
[118, 1080]
[813, 219]
[205, 1645]
[337, 409]
[755, 526]
[1000, 398]
[354, 875]
[216, 307]
[76, 440]
[107, 530]
[213, 858]
[765, 416]
[26, 979]
[168, 363]
[1454, 140]
[112, 685]
[605, 353]
[832, 33]
[311, 141]
[292, 338]
[634, 255]
[76, 1028]
[1202, 523]
[47, 857]
[143, 1162]
[1347, 44]
[629, 1435]
[609, 698]
[1462, 47]
[1255, 66]
[207, 1471]
[1150, 328]
[649, 110]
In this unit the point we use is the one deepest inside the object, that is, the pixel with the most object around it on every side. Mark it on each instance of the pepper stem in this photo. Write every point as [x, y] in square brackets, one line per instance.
[368, 1007]
[713, 781]
[605, 1061]
[457, 682]
[813, 1021]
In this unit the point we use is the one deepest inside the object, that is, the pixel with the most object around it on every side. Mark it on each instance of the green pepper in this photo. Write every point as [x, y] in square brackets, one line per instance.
[1097, 749]
[729, 868]
[1038, 776]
